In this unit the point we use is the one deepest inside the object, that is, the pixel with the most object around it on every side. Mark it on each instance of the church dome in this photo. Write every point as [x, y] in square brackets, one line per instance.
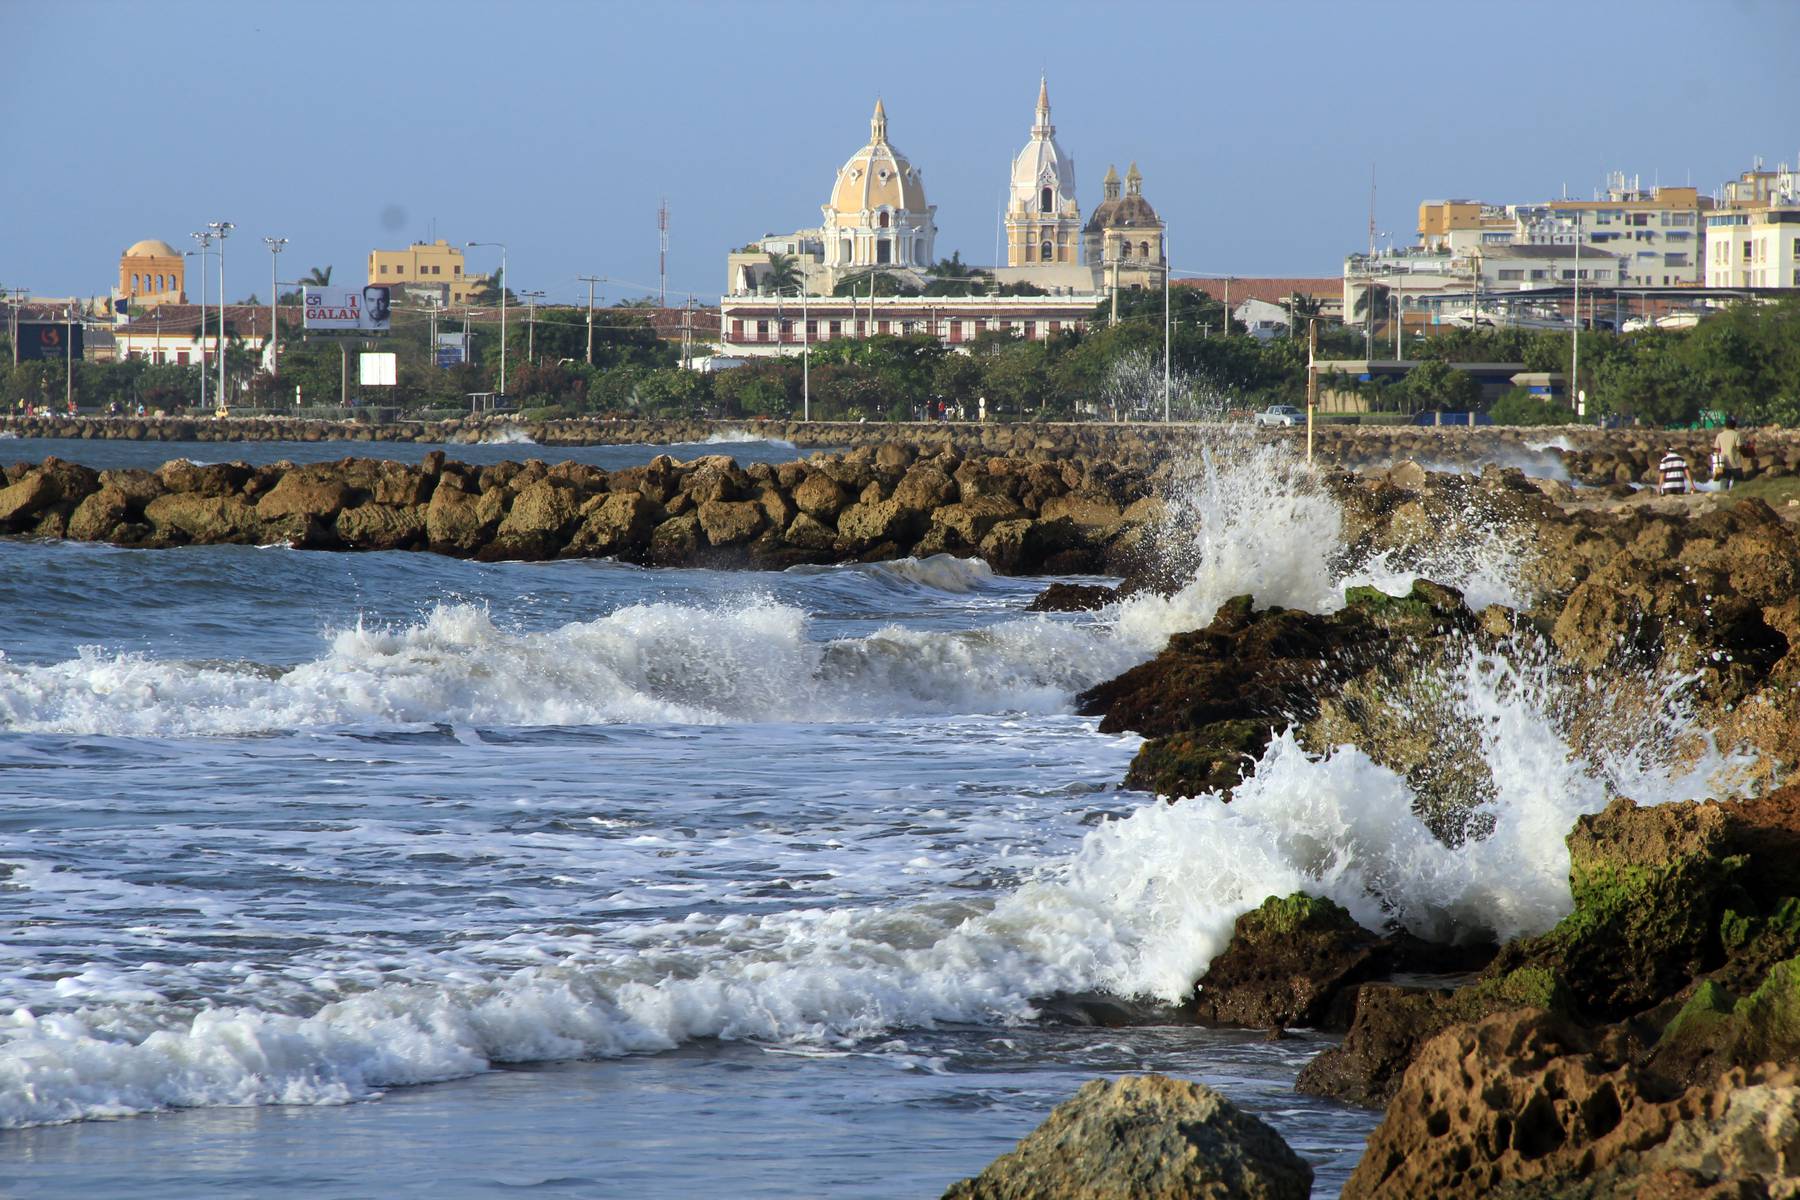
[878, 176]
[1043, 163]
[152, 248]
[1130, 211]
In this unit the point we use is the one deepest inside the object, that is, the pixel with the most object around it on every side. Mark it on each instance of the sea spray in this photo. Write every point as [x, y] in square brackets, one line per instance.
[1140, 908]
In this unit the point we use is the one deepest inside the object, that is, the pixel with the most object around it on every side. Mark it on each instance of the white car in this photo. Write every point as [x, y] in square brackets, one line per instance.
[1279, 415]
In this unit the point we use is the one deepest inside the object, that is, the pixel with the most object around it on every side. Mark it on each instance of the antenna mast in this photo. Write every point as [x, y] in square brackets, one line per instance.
[662, 256]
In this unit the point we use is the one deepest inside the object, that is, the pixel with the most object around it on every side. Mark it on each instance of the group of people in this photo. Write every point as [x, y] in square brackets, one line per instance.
[1674, 478]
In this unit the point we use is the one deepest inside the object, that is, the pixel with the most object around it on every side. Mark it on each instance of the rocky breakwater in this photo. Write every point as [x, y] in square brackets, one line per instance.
[1646, 1044]
[872, 504]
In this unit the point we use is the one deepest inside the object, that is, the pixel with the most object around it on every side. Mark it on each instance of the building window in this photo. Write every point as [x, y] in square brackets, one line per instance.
[1509, 274]
[456, 270]
[181, 357]
[134, 283]
[737, 330]
[762, 331]
[1144, 251]
[1747, 251]
[384, 268]
[837, 328]
[812, 330]
[1044, 201]
[881, 327]
[1044, 250]
[882, 220]
[884, 249]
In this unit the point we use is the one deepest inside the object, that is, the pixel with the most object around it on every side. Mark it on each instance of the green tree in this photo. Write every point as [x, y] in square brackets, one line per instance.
[1434, 384]
[317, 277]
[784, 273]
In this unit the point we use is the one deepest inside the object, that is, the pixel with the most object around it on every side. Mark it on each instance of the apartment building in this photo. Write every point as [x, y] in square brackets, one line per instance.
[436, 264]
[1753, 238]
[1658, 234]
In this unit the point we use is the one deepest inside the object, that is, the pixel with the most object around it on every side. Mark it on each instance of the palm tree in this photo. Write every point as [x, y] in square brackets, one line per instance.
[784, 273]
[320, 277]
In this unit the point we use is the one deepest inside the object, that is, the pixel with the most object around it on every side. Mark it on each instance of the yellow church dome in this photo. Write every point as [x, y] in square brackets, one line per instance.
[152, 248]
[878, 176]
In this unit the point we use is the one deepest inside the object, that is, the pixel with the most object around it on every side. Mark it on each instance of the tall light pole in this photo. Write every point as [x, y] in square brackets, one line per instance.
[502, 246]
[275, 244]
[1166, 335]
[1575, 338]
[531, 299]
[590, 280]
[205, 240]
[221, 230]
[69, 359]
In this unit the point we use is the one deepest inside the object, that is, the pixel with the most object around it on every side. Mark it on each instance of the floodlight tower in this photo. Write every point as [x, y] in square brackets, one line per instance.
[662, 256]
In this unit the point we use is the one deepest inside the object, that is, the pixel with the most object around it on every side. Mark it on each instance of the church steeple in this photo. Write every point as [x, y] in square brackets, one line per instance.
[1134, 181]
[1042, 128]
[878, 124]
[1110, 185]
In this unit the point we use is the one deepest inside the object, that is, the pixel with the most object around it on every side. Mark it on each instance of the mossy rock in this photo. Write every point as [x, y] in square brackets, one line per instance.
[1212, 758]
[1714, 1031]
[1298, 913]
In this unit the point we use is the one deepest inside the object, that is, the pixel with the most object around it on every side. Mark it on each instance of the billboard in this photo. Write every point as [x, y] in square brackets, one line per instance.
[452, 349]
[49, 339]
[377, 370]
[353, 310]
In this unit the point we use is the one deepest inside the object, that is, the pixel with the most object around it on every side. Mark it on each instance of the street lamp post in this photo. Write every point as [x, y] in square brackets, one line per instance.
[275, 244]
[205, 240]
[502, 246]
[221, 229]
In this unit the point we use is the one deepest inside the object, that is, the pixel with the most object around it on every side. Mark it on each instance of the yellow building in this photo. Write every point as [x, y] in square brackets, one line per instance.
[1124, 236]
[426, 264]
[1043, 219]
[878, 216]
[152, 272]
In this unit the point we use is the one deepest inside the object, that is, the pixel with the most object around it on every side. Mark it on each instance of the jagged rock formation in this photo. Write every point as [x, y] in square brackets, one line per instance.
[1145, 1137]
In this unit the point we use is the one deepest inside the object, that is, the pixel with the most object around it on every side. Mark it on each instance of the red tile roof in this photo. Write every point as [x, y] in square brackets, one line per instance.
[1272, 289]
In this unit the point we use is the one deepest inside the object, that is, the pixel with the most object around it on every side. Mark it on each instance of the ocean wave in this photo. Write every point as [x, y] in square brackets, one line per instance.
[507, 437]
[1139, 909]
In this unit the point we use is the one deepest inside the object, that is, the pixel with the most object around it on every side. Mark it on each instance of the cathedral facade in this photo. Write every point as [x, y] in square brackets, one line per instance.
[878, 220]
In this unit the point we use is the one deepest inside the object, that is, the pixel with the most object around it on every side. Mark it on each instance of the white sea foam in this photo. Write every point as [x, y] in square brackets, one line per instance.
[742, 437]
[507, 437]
[1255, 519]
[656, 662]
[1140, 908]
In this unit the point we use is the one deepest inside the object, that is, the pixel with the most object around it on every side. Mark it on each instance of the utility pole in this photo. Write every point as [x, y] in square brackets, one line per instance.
[1575, 313]
[531, 298]
[1312, 381]
[15, 297]
[275, 244]
[662, 254]
[222, 230]
[205, 240]
[69, 359]
[590, 280]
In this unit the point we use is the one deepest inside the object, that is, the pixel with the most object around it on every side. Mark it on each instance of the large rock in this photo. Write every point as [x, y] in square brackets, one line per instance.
[96, 517]
[1290, 962]
[1650, 887]
[381, 527]
[1525, 1104]
[1144, 1137]
[730, 522]
[27, 498]
[618, 523]
[538, 523]
[457, 522]
[305, 493]
[204, 520]
[868, 524]
[820, 496]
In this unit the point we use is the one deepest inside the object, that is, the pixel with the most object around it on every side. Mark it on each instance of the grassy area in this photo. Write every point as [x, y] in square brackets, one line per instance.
[1776, 491]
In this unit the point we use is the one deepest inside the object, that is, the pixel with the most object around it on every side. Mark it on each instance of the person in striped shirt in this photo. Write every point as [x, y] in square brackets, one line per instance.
[1674, 475]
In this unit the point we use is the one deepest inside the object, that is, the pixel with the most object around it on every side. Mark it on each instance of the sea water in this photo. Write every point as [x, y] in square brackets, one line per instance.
[359, 874]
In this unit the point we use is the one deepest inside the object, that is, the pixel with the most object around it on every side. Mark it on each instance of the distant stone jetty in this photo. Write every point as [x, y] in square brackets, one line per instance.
[1023, 517]
[1593, 457]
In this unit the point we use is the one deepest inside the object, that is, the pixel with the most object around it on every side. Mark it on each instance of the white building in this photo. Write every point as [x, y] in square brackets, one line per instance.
[1521, 267]
[1754, 241]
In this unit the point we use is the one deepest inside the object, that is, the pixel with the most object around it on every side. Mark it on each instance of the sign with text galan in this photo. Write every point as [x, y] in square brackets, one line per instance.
[352, 309]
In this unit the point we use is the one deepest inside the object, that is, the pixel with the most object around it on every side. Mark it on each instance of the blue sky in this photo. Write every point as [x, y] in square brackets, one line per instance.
[557, 127]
